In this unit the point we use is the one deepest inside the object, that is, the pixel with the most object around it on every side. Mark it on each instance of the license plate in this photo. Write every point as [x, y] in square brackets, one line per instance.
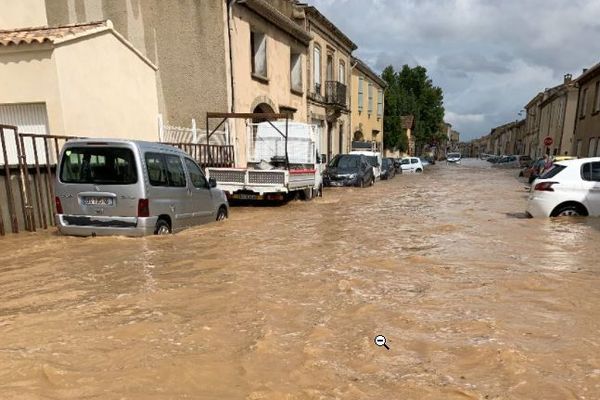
[243, 196]
[97, 201]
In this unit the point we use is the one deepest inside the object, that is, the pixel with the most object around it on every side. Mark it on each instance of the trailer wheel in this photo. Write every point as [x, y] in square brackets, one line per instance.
[307, 194]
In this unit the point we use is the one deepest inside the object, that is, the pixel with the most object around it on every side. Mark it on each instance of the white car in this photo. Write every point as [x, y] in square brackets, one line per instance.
[453, 158]
[411, 164]
[568, 188]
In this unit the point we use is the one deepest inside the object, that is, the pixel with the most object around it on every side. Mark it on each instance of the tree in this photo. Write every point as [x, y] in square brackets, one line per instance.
[411, 92]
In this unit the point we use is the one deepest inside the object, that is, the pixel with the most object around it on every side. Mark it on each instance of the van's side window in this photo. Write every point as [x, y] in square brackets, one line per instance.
[157, 172]
[175, 171]
[198, 179]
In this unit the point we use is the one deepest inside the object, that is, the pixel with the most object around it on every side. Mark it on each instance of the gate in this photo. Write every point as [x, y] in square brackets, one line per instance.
[28, 164]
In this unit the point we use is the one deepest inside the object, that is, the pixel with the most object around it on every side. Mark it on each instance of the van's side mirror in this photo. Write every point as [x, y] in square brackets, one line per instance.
[212, 182]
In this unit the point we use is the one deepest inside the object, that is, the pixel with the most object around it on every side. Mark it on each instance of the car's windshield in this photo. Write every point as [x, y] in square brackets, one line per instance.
[345, 162]
[552, 171]
[454, 155]
[385, 162]
[98, 165]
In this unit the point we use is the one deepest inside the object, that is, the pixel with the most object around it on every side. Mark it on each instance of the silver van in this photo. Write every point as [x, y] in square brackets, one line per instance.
[133, 188]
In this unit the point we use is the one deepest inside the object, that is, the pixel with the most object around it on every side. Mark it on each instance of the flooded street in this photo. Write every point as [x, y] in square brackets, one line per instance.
[476, 302]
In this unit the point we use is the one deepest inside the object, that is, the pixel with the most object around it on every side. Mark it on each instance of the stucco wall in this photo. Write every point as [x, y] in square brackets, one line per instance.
[587, 126]
[249, 92]
[369, 121]
[184, 38]
[22, 13]
[106, 89]
[340, 129]
[28, 75]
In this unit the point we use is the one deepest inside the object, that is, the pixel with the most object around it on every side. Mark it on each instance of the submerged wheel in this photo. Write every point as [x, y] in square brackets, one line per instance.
[569, 210]
[372, 181]
[222, 214]
[419, 170]
[162, 227]
[362, 183]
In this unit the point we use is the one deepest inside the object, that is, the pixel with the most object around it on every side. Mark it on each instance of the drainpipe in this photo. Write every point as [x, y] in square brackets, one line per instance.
[231, 99]
[229, 23]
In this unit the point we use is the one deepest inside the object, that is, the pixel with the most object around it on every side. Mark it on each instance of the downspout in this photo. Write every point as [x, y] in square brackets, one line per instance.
[229, 23]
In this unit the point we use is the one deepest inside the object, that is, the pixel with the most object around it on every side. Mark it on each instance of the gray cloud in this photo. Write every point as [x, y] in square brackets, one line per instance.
[490, 57]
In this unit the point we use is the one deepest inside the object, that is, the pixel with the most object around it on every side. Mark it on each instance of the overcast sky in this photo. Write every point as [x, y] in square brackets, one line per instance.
[489, 56]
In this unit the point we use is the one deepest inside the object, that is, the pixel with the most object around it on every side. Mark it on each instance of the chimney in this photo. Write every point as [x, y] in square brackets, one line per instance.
[568, 78]
[584, 70]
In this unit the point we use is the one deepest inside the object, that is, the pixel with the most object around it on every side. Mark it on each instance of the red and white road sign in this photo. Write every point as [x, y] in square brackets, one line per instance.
[548, 141]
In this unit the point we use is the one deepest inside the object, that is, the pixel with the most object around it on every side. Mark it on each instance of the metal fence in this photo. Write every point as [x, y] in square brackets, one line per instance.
[28, 170]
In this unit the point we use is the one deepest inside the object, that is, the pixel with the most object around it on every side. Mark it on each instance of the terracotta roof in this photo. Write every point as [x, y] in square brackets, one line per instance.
[43, 34]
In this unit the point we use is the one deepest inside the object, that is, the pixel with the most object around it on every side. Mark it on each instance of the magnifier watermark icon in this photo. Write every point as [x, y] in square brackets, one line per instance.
[380, 341]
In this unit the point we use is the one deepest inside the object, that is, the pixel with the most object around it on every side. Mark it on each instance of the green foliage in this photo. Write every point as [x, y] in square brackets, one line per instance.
[411, 92]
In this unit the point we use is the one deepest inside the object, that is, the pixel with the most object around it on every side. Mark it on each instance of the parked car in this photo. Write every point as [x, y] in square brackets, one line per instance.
[374, 159]
[568, 188]
[349, 170]
[412, 164]
[424, 162]
[132, 188]
[429, 159]
[513, 161]
[453, 158]
[388, 170]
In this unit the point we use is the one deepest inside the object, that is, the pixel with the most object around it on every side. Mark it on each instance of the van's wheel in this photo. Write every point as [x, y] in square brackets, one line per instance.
[222, 214]
[162, 227]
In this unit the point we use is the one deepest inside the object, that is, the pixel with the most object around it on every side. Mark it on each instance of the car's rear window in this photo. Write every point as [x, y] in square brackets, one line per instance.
[98, 165]
[552, 171]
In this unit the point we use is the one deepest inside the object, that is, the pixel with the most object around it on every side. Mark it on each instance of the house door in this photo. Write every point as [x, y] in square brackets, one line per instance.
[341, 139]
[329, 141]
[28, 118]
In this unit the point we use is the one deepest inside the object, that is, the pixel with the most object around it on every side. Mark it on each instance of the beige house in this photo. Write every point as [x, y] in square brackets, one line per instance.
[269, 58]
[367, 105]
[83, 79]
[557, 118]
[586, 141]
[328, 72]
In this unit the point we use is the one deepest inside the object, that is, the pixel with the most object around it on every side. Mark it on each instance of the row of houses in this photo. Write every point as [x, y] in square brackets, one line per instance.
[563, 120]
[148, 69]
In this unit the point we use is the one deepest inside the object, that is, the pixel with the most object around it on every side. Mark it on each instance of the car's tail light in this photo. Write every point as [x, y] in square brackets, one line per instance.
[143, 208]
[545, 186]
[59, 209]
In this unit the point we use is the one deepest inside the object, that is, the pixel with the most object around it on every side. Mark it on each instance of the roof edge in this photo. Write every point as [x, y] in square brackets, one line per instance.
[369, 72]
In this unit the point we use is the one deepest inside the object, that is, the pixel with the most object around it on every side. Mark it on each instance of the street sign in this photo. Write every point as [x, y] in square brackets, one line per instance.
[548, 141]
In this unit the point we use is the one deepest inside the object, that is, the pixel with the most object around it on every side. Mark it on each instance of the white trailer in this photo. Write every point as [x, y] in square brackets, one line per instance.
[283, 161]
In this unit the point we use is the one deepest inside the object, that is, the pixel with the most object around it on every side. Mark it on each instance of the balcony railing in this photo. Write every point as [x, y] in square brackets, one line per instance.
[335, 93]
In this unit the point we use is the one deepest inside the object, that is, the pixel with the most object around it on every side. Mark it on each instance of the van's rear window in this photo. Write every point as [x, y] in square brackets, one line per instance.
[98, 165]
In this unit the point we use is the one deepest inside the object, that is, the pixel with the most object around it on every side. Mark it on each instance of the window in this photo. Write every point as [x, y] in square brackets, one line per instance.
[175, 172]
[258, 43]
[583, 101]
[156, 168]
[317, 69]
[360, 93]
[379, 103]
[196, 175]
[578, 151]
[329, 70]
[597, 98]
[370, 109]
[98, 165]
[342, 73]
[591, 172]
[592, 148]
[296, 71]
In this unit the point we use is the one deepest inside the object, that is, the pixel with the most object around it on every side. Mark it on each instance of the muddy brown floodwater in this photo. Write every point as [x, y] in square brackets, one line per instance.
[283, 303]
